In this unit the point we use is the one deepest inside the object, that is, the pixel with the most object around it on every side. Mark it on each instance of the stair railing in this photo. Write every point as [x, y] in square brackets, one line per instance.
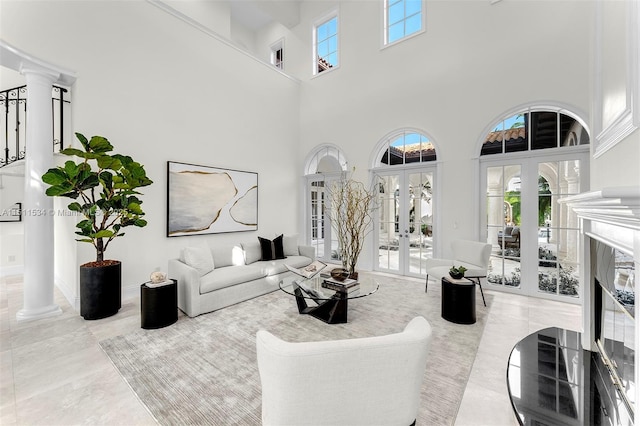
[13, 122]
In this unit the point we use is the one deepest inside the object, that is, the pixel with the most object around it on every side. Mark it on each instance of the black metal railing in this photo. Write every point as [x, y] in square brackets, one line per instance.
[13, 122]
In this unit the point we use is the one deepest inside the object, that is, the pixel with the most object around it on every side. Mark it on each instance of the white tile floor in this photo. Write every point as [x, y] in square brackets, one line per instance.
[53, 372]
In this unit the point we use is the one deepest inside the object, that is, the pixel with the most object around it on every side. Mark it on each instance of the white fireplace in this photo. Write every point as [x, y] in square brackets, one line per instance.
[610, 246]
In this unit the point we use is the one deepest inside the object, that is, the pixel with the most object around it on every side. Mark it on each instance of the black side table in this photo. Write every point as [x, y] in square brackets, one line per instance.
[159, 305]
[459, 300]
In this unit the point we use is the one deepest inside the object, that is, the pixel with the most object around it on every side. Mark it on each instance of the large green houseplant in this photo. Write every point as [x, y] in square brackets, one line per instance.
[104, 189]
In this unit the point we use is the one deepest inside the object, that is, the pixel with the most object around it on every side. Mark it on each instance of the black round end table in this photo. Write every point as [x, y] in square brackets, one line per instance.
[459, 300]
[158, 305]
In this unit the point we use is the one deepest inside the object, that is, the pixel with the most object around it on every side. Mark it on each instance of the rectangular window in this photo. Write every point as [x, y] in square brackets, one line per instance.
[326, 44]
[402, 18]
[277, 54]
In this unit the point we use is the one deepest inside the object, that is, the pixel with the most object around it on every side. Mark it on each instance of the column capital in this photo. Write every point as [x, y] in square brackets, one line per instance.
[17, 60]
[33, 72]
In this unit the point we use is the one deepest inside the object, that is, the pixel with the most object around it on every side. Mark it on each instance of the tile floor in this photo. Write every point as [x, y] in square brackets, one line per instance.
[53, 372]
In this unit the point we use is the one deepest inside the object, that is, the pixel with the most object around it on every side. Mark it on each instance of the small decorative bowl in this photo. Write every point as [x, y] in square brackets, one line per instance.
[339, 274]
[457, 276]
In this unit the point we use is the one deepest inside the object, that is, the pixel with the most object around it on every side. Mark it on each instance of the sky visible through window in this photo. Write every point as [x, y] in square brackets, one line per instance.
[409, 139]
[404, 17]
[327, 41]
[510, 123]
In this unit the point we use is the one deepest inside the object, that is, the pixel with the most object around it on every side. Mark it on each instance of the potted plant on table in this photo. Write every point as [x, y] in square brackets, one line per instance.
[106, 197]
[457, 272]
[351, 211]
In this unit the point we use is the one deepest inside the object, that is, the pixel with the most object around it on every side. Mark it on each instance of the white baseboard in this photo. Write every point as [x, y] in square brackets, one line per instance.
[6, 271]
[131, 292]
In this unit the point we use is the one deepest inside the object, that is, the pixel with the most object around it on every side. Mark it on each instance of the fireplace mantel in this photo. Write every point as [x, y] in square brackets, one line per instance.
[618, 206]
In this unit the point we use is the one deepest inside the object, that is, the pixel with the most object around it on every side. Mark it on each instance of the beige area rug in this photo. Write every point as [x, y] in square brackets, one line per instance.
[203, 370]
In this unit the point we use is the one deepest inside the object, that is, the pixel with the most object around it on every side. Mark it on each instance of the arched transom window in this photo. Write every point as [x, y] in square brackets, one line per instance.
[326, 159]
[534, 130]
[405, 147]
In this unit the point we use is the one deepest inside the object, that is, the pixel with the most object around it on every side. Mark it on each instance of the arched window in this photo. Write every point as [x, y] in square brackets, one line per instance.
[404, 170]
[533, 130]
[405, 147]
[326, 159]
[325, 164]
[528, 160]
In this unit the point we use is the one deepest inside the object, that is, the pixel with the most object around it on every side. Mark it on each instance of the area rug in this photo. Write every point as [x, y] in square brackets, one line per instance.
[203, 370]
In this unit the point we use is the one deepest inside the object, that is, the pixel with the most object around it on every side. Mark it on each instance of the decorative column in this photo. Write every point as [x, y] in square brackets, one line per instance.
[38, 207]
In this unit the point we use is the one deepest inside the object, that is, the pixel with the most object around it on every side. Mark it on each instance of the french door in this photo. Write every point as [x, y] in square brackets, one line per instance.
[534, 238]
[319, 229]
[404, 220]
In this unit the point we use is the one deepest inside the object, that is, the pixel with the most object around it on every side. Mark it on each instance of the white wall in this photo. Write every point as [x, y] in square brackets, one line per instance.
[161, 91]
[616, 74]
[475, 62]
[11, 233]
[10, 79]
[211, 14]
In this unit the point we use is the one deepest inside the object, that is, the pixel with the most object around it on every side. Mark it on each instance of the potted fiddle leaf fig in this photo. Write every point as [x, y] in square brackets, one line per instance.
[104, 189]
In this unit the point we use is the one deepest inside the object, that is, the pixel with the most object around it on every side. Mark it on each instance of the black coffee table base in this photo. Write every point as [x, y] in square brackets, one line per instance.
[331, 311]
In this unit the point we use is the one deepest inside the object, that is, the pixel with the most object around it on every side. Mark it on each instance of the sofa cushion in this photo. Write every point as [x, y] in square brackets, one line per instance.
[290, 245]
[252, 252]
[199, 258]
[222, 254]
[275, 267]
[272, 249]
[231, 275]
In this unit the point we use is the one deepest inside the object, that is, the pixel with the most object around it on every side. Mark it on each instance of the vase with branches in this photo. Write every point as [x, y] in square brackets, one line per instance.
[351, 207]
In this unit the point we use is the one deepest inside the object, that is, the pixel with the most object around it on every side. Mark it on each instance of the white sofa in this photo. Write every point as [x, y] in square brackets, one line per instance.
[211, 278]
[361, 381]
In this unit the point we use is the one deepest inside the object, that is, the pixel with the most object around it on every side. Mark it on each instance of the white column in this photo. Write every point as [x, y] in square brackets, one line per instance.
[38, 207]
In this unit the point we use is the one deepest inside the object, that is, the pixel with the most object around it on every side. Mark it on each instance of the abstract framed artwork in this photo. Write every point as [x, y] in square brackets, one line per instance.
[12, 214]
[209, 200]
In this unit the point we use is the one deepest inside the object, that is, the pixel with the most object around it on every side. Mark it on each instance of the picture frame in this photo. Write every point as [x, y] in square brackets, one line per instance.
[210, 200]
[12, 214]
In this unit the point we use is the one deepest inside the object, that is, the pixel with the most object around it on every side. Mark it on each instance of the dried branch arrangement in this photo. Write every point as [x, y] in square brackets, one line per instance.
[351, 207]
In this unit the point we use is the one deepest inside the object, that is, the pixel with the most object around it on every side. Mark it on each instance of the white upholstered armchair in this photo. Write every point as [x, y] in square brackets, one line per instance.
[363, 381]
[473, 255]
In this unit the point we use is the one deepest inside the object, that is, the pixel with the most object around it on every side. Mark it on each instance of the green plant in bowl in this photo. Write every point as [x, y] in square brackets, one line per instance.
[457, 272]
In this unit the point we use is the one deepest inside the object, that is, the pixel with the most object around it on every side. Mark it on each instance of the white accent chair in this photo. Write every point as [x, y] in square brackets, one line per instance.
[473, 255]
[361, 381]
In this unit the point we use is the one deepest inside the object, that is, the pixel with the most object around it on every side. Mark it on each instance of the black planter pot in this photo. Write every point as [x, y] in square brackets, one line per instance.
[100, 291]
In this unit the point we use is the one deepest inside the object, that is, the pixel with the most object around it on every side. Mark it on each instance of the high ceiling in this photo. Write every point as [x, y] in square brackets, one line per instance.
[255, 14]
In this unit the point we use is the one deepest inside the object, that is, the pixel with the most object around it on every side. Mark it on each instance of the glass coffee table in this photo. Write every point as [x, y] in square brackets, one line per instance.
[328, 305]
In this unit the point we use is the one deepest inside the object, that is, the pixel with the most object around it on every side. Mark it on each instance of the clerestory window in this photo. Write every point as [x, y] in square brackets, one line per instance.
[402, 18]
[277, 54]
[325, 36]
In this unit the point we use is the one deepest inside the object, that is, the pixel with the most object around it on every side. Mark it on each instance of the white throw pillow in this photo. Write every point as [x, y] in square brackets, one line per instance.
[252, 252]
[200, 259]
[290, 245]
